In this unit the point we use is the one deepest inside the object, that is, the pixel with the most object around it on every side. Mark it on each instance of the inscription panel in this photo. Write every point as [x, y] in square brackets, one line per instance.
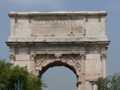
[57, 27]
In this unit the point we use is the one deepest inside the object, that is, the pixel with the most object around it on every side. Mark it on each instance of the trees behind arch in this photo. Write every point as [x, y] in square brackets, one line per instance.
[109, 83]
[16, 78]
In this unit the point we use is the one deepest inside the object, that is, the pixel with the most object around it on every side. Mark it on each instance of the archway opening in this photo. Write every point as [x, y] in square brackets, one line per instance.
[59, 76]
[57, 63]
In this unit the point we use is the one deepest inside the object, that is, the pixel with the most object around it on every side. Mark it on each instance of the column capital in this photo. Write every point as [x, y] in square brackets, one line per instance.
[103, 61]
[78, 83]
[103, 55]
[32, 56]
[92, 82]
[83, 56]
[12, 57]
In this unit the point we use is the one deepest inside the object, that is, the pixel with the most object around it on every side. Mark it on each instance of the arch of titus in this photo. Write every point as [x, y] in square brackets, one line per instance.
[76, 40]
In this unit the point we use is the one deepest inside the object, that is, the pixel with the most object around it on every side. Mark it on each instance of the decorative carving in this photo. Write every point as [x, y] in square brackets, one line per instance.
[43, 58]
[32, 56]
[78, 83]
[103, 56]
[76, 60]
[58, 55]
[71, 59]
[12, 57]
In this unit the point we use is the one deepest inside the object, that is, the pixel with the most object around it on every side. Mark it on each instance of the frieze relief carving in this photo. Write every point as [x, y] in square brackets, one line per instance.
[41, 59]
[73, 59]
[70, 59]
[58, 49]
[56, 18]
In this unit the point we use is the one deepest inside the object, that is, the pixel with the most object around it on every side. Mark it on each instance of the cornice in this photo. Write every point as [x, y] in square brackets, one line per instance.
[38, 13]
[84, 43]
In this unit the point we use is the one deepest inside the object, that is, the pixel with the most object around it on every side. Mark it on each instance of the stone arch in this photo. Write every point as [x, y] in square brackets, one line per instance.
[73, 62]
[57, 63]
[79, 50]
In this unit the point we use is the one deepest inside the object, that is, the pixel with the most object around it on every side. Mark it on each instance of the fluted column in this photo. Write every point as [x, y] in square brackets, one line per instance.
[103, 65]
[79, 87]
[31, 64]
[82, 73]
[12, 55]
[94, 85]
[88, 85]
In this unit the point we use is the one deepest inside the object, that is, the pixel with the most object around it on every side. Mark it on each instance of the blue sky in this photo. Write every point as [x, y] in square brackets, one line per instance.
[113, 25]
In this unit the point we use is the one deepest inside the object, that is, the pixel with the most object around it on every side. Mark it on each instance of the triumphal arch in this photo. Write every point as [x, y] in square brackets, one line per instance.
[76, 40]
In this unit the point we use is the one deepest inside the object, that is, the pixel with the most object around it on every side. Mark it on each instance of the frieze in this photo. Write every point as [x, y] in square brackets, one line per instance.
[56, 17]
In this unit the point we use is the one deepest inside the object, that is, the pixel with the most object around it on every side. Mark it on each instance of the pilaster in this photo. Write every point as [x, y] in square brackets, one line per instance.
[103, 65]
[12, 55]
[82, 73]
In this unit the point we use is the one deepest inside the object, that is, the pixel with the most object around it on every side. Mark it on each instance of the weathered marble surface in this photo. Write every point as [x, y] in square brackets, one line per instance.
[58, 26]
[76, 40]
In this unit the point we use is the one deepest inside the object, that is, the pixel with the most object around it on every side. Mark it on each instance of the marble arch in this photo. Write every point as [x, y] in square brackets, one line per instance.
[57, 63]
[76, 40]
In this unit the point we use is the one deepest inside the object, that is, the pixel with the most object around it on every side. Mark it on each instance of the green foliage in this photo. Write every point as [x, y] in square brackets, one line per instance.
[102, 84]
[109, 83]
[13, 77]
[115, 82]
